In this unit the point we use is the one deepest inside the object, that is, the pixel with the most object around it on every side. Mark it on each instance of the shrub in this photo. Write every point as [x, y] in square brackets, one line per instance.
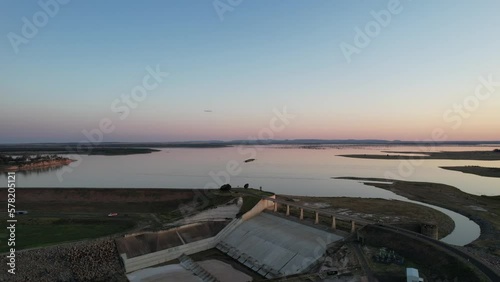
[225, 187]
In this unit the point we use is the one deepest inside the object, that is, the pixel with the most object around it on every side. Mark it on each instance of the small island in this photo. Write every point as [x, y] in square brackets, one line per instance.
[31, 162]
[477, 170]
[105, 151]
[249, 160]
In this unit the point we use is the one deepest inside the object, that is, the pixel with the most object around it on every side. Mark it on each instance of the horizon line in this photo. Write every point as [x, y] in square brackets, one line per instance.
[318, 141]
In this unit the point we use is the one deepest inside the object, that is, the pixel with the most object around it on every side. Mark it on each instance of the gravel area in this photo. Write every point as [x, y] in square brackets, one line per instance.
[95, 260]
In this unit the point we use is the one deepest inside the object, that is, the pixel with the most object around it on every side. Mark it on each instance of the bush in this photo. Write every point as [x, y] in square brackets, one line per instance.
[245, 186]
[225, 187]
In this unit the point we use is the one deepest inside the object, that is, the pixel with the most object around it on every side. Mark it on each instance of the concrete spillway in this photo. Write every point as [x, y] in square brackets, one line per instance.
[269, 245]
[150, 242]
[274, 246]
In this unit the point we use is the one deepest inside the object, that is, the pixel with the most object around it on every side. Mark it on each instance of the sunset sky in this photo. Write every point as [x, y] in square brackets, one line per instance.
[229, 71]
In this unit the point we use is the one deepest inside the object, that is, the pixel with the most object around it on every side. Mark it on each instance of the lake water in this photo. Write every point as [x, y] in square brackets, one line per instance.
[280, 169]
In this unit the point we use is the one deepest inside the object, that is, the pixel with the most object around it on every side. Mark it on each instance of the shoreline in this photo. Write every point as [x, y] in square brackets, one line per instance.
[493, 172]
[44, 164]
[412, 155]
[99, 151]
[482, 210]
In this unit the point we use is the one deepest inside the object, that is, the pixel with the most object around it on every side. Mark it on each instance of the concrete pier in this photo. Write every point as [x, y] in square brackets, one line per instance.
[317, 212]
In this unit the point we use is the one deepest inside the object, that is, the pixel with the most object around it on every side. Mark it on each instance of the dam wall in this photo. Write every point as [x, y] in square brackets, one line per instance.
[192, 239]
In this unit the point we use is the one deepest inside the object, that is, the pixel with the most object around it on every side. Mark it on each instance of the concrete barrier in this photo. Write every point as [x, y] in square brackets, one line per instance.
[262, 205]
[155, 258]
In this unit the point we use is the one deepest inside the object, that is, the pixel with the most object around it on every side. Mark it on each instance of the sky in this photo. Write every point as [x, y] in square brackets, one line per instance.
[227, 69]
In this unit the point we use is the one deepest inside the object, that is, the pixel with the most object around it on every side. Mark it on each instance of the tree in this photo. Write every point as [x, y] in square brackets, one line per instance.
[225, 187]
[245, 186]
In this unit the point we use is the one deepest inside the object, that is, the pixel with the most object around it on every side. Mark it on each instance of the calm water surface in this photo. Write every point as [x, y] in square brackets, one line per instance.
[283, 170]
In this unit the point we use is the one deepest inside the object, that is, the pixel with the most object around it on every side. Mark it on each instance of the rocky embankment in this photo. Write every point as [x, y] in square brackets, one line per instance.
[95, 260]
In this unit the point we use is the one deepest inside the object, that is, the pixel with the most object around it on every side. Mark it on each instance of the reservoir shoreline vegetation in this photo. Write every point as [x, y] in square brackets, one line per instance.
[477, 170]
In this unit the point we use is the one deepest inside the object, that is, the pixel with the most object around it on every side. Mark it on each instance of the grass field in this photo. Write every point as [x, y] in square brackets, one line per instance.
[65, 215]
[38, 231]
[378, 210]
[72, 214]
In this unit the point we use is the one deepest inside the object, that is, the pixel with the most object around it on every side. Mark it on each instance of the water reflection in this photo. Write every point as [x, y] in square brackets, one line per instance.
[38, 171]
[282, 169]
